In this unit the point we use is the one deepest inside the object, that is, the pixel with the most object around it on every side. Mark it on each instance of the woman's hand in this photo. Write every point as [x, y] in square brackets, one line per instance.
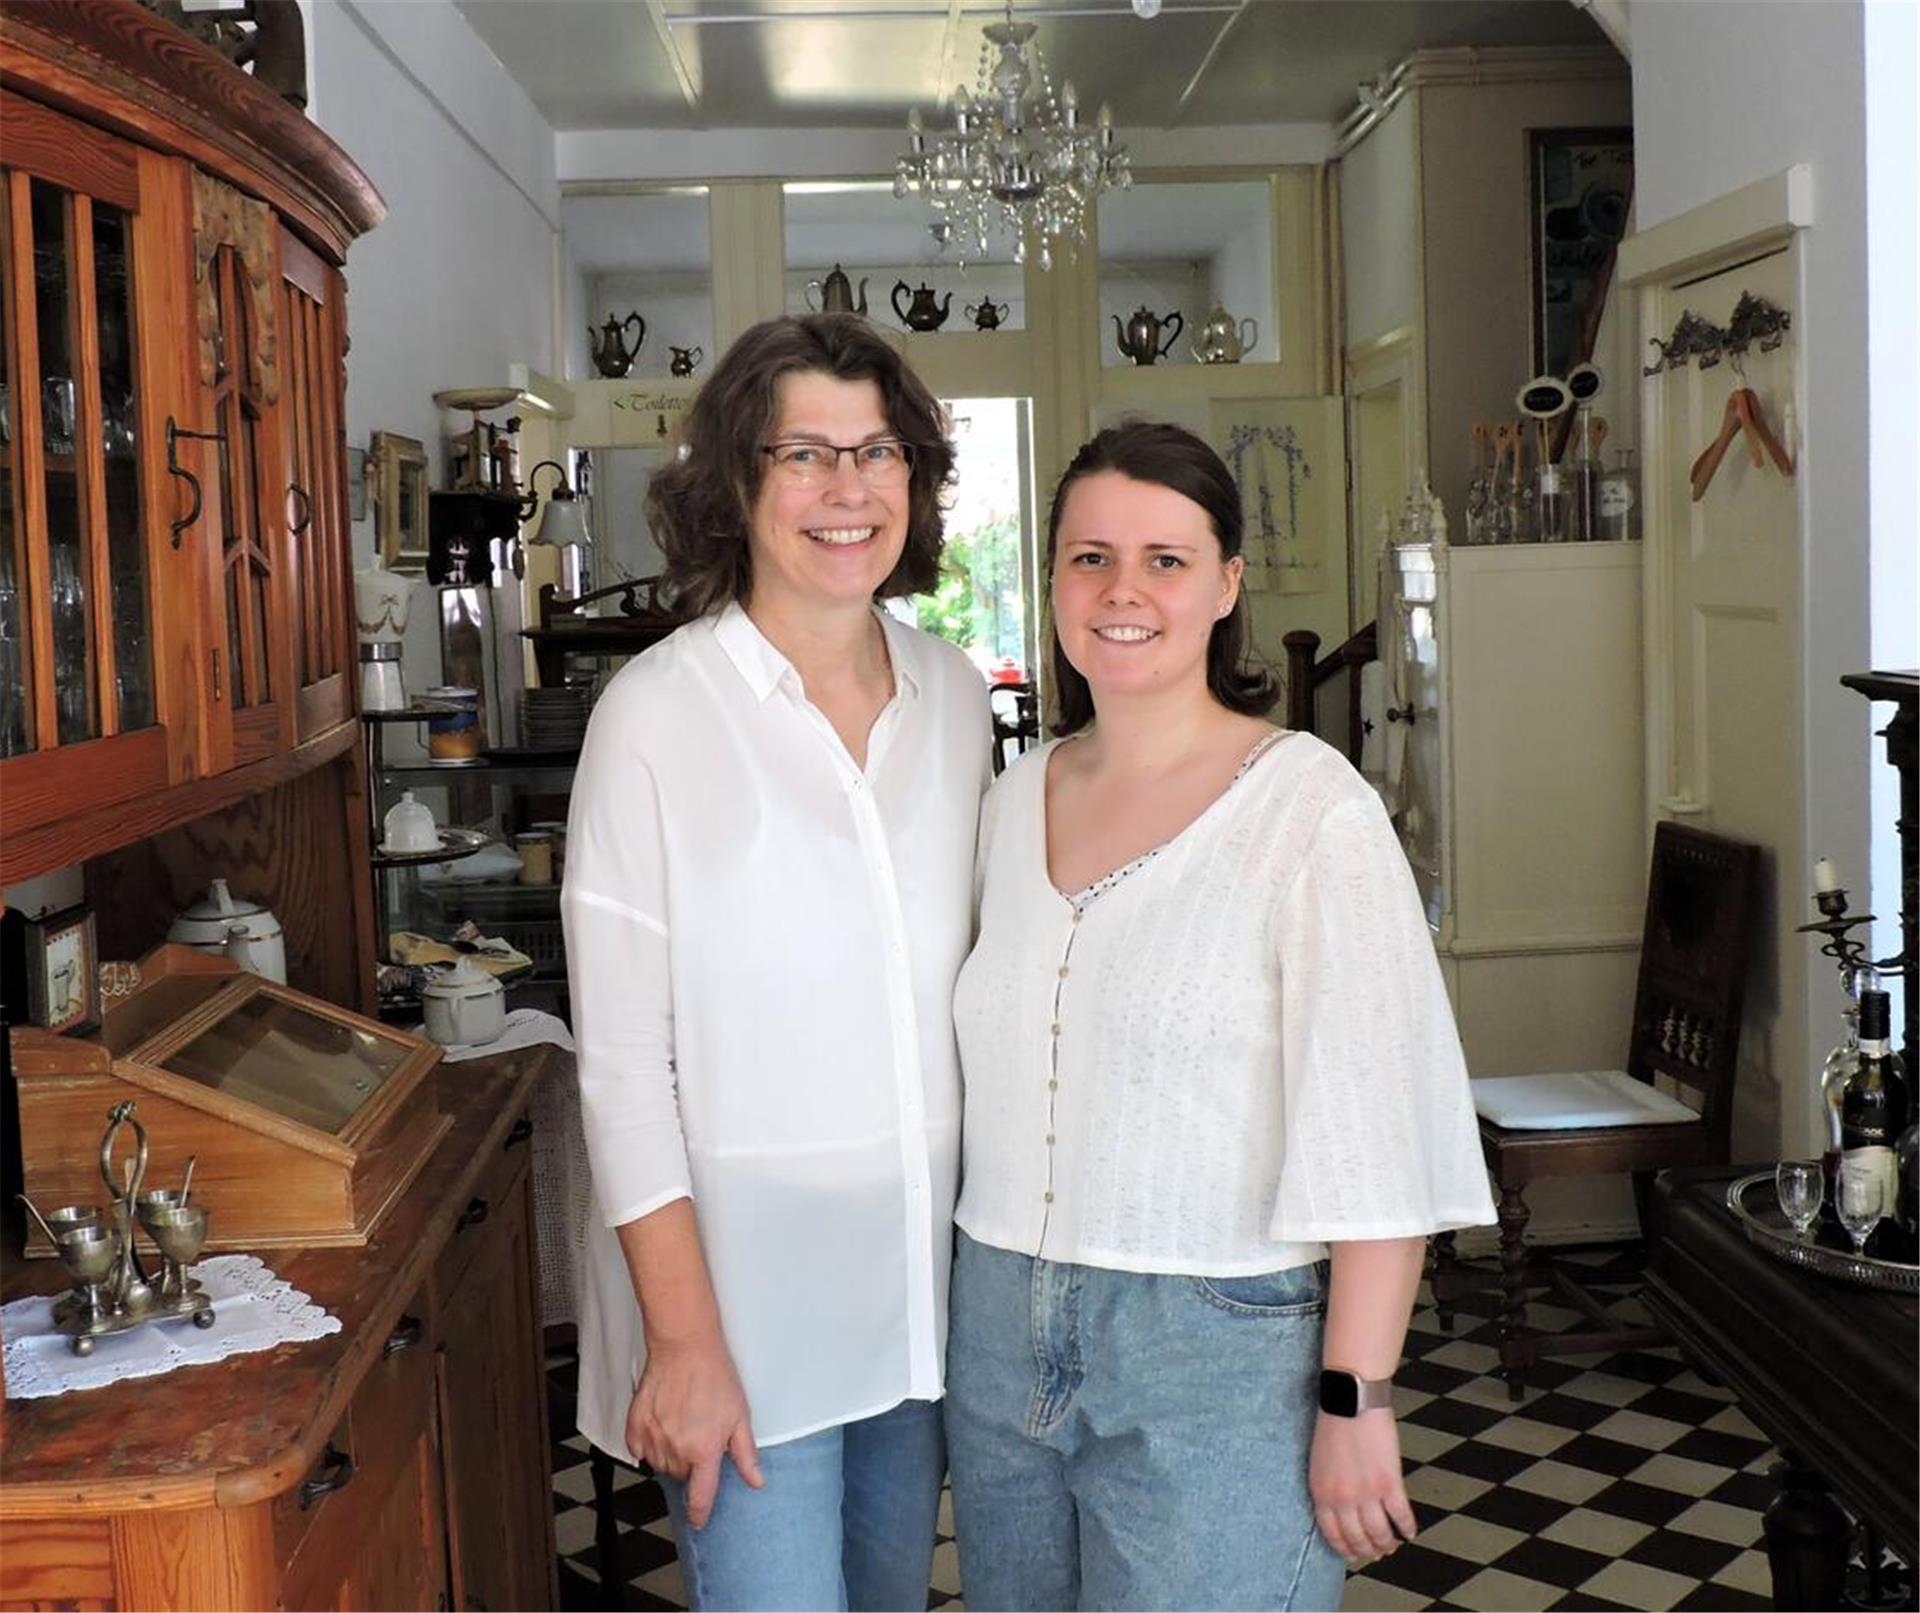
[1359, 1497]
[689, 1411]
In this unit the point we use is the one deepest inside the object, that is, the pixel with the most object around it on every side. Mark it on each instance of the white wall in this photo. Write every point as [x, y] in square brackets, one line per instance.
[1380, 228]
[1723, 95]
[457, 282]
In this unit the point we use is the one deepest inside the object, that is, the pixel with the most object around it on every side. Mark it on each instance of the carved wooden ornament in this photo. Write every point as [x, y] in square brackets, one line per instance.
[223, 216]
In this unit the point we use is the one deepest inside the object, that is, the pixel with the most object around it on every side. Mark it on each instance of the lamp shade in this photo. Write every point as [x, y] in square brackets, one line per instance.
[562, 522]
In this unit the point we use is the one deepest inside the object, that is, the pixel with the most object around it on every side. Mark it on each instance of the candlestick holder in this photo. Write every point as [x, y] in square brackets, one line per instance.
[1838, 925]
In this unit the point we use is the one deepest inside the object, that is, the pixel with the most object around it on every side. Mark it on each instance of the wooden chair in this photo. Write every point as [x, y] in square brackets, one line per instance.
[1701, 900]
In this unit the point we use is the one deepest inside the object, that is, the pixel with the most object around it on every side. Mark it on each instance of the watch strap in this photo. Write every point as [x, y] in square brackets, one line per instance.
[1375, 1394]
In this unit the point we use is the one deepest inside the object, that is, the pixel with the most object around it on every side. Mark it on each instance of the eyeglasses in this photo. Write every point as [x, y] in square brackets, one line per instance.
[885, 462]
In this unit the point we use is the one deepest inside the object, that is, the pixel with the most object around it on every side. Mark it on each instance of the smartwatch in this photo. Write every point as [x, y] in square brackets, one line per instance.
[1347, 1394]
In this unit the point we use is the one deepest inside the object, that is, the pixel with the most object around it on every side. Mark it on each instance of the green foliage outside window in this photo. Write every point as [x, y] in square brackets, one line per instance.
[977, 602]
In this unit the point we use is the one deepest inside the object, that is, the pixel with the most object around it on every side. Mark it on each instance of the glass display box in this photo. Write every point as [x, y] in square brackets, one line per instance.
[306, 1121]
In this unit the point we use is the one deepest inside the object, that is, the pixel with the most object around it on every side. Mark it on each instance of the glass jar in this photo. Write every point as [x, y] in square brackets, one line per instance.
[1619, 500]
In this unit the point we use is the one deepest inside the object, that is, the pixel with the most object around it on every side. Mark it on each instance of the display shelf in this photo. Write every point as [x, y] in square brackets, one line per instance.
[414, 711]
[454, 844]
[497, 761]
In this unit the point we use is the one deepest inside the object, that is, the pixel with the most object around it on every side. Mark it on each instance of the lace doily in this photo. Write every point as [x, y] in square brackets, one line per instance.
[252, 1310]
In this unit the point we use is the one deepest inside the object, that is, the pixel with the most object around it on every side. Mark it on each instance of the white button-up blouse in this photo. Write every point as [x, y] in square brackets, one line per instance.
[1225, 1060]
[762, 940]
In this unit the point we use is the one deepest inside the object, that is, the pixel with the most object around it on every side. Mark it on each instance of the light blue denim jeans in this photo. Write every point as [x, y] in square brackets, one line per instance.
[844, 1522]
[1129, 1441]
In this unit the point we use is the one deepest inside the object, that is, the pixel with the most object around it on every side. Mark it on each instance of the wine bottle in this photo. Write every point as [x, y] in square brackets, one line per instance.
[1834, 1075]
[1873, 1113]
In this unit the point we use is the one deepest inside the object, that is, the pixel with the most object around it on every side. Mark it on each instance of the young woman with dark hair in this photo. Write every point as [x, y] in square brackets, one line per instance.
[1214, 1102]
[766, 903]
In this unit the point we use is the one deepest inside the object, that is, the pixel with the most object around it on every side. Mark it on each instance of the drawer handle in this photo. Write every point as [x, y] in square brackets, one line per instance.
[520, 1131]
[472, 1215]
[405, 1336]
[336, 1472]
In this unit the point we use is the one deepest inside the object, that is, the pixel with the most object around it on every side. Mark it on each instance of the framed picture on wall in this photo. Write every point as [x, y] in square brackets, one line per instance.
[400, 500]
[1285, 456]
[63, 970]
[1582, 191]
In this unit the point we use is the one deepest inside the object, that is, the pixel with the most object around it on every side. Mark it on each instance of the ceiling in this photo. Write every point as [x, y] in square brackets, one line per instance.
[612, 64]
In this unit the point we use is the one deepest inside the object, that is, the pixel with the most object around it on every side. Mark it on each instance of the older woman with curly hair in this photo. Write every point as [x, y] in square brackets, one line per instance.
[766, 905]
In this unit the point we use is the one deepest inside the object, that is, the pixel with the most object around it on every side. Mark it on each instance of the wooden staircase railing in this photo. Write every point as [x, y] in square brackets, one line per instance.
[1307, 670]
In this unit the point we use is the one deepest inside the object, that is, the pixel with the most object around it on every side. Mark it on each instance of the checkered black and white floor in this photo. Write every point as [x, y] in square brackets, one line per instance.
[1619, 1481]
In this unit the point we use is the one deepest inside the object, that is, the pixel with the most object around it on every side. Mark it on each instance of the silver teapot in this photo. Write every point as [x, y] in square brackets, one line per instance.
[836, 294]
[1139, 338]
[986, 314]
[922, 313]
[611, 355]
[1226, 340]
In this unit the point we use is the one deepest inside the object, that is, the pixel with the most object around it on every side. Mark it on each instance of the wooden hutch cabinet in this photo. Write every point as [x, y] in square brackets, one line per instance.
[176, 637]
[178, 699]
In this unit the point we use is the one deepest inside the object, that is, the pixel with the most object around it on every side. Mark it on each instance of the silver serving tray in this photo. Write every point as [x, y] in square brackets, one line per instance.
[1768, 1229]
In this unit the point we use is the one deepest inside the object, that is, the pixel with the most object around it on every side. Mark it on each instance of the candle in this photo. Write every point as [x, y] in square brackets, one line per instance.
[1825, 877]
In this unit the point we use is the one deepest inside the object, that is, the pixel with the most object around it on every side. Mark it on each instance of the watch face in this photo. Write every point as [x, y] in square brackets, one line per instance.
[1340, 1394]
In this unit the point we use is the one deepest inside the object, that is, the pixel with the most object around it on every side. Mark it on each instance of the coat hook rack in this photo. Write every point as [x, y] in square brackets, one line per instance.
[1755, 320]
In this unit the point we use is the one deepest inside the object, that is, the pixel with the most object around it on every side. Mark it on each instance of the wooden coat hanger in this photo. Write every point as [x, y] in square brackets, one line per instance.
[1745, 416]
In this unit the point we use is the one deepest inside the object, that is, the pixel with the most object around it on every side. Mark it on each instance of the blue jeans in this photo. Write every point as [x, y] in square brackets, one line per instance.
[845, 1521]
[1129, 1441]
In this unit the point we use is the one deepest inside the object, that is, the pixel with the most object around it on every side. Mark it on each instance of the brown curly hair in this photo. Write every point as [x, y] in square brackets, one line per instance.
[700, 507]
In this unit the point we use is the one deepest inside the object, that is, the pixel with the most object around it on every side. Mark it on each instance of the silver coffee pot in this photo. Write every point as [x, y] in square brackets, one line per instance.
[836, 294]
[1139, 339]
[1224, 339]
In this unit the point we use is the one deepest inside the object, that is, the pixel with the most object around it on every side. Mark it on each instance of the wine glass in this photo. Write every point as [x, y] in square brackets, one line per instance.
[1800, 1188]
[1860, 1201]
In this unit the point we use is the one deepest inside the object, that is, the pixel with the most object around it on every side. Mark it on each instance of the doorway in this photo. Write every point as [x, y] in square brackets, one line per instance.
[985, 599]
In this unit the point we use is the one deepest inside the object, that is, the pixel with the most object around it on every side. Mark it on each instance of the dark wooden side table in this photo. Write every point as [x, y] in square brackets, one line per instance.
[1829, 1372]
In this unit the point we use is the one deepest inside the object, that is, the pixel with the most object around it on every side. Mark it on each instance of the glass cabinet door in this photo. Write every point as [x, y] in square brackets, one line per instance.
[313, 464]
[246, 671]
[77, 600]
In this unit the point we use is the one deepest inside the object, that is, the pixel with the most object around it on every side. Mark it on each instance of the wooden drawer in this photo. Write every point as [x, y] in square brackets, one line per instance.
[497, 1181]
[318, 1542]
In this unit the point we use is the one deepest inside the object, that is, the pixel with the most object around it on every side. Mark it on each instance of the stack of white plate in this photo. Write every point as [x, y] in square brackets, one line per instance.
[555, 719]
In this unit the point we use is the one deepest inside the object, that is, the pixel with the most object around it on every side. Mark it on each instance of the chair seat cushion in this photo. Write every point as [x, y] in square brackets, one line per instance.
[1583, 1099]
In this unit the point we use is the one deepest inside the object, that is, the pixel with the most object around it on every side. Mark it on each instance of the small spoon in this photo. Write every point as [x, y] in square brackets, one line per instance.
[35, 1213]
[186, 1182]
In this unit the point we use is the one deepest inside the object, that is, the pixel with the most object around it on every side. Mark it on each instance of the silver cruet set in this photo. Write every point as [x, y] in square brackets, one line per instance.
[112, 1291]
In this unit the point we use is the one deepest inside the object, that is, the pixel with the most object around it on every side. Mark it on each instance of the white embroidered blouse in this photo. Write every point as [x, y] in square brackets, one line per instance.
[762, 940]
[1219, 1064]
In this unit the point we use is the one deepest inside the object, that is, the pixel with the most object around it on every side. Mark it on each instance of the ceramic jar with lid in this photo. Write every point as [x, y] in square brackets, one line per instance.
[464, 1006]
[409, 826]
[453, 734]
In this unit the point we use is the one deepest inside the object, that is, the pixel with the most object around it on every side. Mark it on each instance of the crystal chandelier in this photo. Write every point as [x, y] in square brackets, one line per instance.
[1018, 159]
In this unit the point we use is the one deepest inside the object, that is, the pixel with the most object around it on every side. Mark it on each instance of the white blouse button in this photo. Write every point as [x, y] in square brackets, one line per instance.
[1063, 971]
[1049, 1195]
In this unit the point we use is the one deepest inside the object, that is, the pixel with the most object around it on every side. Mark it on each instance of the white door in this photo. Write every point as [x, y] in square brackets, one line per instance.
[1723, 668]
